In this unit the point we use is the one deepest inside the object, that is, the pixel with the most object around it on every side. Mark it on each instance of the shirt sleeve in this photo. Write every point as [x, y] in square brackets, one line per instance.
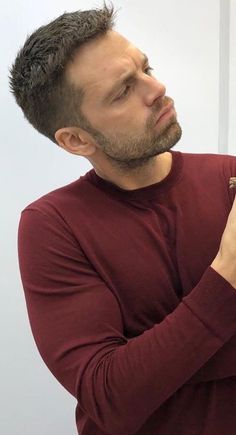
[77, 325]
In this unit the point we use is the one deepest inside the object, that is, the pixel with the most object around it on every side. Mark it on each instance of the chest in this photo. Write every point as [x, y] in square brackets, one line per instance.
[151, 255]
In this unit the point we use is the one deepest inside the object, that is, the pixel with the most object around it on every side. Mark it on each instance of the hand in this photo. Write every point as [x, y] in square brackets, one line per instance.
[232, 182]
[225, 260]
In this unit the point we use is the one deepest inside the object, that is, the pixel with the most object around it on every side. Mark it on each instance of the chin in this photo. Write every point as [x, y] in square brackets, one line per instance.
[173, 132]
[170, 137]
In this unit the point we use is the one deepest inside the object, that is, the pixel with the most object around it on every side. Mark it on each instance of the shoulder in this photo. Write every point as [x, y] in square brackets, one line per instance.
[64, 198]
[211, 161]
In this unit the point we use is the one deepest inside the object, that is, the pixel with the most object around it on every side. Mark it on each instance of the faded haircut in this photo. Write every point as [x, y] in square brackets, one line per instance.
[37, 76]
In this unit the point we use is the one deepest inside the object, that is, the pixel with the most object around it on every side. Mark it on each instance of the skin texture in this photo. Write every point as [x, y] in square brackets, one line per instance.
[123, 141]
[232, 182]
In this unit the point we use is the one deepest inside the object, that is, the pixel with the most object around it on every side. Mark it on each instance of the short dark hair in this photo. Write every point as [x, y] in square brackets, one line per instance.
[37, 78]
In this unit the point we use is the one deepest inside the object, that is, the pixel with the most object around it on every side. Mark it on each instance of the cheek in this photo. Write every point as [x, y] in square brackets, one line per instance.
[127, 119]
[119, 119]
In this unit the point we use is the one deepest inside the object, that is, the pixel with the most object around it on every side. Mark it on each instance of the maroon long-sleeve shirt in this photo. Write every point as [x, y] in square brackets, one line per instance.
[125, 309]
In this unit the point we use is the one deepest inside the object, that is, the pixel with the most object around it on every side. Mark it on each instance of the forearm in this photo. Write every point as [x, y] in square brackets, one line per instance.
[227, 269]
[157, 363]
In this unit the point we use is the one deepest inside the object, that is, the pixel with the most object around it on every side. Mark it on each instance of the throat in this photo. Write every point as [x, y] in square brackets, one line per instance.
[154, 174]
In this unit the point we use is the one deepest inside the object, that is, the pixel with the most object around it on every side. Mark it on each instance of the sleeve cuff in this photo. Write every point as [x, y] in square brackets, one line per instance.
[213, 301]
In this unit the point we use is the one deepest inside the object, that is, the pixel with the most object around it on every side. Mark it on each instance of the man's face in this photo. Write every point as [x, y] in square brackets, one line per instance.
[123, 114]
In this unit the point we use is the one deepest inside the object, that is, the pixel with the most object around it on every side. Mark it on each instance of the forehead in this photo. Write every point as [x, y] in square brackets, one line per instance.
[98, 63]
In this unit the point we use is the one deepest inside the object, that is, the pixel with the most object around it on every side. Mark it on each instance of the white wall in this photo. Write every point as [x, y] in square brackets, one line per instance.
[232, 80]
[181, 39]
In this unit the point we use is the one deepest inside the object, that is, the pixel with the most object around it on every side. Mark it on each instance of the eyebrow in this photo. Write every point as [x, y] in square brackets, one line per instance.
[125, 79]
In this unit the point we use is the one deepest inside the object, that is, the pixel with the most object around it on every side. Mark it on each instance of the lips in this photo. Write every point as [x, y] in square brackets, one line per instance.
[164, 111]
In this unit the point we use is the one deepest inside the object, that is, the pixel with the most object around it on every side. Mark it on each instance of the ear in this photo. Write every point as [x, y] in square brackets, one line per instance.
[75, 141]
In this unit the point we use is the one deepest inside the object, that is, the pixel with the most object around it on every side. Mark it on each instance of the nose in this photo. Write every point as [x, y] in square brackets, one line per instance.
[152, 89]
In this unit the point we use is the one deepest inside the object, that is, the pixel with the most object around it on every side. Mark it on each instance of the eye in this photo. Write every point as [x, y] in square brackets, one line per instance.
[148, 70]
[124, 93]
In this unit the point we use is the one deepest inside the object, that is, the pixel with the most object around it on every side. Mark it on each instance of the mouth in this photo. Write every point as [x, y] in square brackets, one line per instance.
[165, 113]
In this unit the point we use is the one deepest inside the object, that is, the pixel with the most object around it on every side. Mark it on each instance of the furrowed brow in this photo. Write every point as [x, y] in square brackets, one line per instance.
[125, 79]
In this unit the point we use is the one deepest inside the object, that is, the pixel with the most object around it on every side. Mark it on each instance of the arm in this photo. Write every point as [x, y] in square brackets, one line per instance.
[77, 326]
[225, 261]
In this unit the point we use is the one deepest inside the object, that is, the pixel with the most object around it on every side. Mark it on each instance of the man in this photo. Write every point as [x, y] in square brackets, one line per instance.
[129, 272]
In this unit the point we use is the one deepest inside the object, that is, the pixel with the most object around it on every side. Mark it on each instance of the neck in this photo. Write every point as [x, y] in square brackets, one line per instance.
[154, 173]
